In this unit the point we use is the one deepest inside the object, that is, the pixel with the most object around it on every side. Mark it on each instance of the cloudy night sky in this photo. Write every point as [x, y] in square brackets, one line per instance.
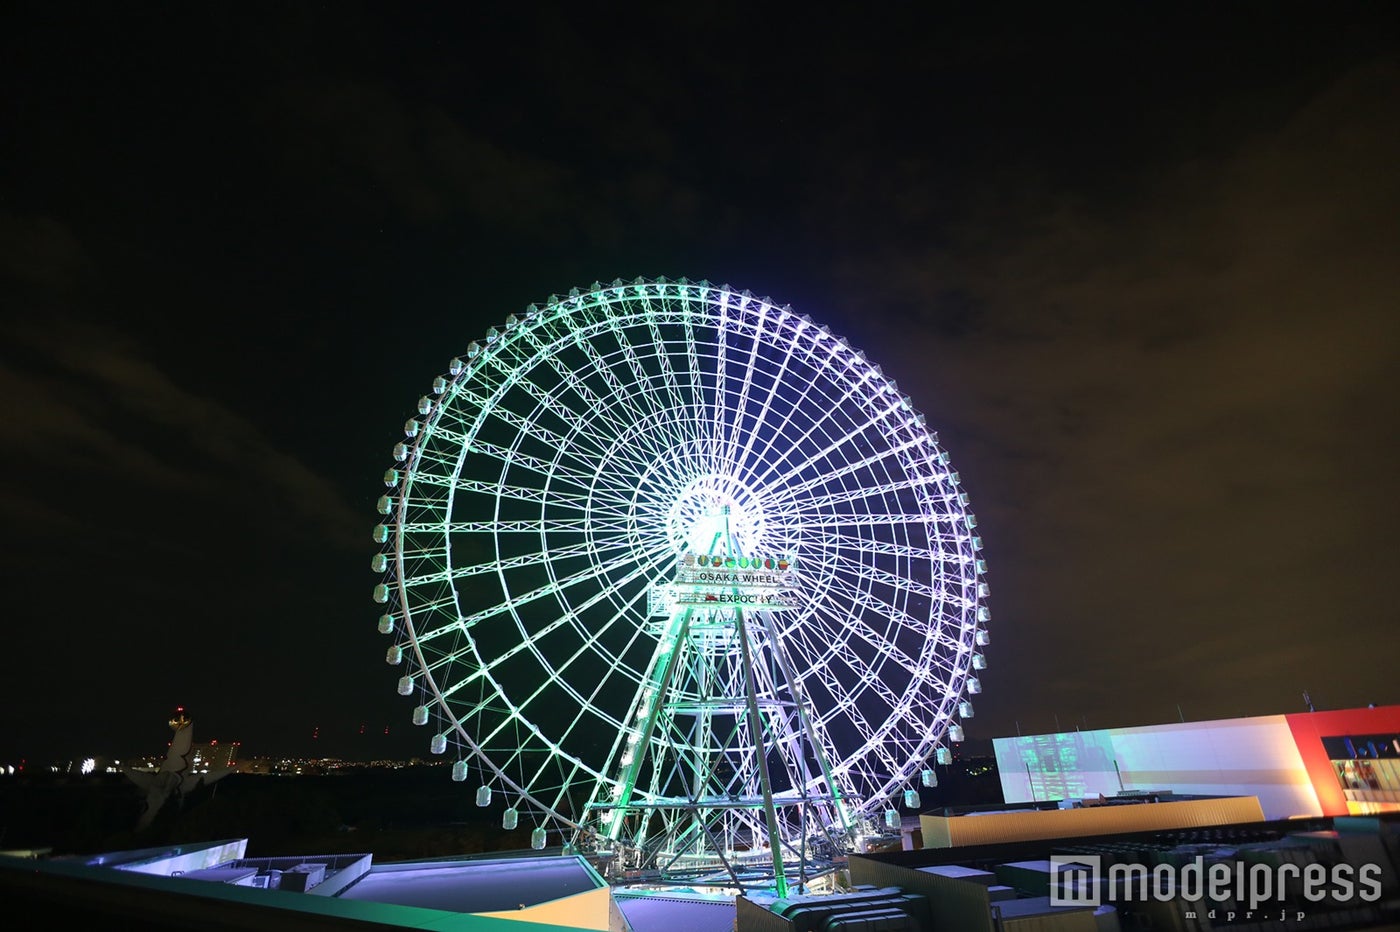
[1138, 264]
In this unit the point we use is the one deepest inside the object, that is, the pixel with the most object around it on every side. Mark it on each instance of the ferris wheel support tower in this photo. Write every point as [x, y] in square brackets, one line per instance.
[693, 647]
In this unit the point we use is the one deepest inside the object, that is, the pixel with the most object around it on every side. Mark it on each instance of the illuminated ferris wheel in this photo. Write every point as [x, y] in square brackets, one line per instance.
[676, 574]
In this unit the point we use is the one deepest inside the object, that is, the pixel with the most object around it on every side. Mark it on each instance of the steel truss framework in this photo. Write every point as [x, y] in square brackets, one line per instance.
[540, 501]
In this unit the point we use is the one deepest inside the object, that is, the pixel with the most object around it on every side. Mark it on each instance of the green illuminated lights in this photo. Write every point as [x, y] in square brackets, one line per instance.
[646, 539]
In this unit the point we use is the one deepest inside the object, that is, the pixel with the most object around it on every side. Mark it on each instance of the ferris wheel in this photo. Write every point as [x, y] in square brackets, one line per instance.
[673, 571]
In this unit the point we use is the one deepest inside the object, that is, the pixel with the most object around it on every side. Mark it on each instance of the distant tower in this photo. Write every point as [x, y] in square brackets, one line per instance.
[173, 778]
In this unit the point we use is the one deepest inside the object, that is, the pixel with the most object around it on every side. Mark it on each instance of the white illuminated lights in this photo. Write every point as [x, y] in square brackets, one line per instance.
[547, 566]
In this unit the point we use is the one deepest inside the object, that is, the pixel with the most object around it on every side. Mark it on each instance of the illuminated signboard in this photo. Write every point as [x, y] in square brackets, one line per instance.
[707, 581]
[769, 601]
[744, 579]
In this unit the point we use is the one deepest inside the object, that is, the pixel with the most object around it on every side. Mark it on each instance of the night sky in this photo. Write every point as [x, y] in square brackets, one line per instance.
[1139, 264]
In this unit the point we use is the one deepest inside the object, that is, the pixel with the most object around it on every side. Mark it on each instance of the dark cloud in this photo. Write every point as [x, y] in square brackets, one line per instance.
[1184, 401]
[1138, 272]
[93, 405]
[38, 251]
[374, 147]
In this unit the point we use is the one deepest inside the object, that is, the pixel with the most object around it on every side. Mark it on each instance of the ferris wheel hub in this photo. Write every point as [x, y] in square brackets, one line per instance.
[714, 511]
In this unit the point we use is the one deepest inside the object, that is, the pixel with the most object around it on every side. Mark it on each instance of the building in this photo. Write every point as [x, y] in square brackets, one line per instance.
[1331, 763]
[1096, 830]
[212, 886]
[1063, 885]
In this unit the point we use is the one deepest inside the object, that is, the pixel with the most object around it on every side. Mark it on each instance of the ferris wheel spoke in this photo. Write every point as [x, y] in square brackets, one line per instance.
[641, 377]
[824, 665]
[561, 500]
[851, 467]
[760, 455]
[516, 422]
[499, 565]
[553, 773]
[704, 425]
[665, 480]
[719, 416]
[815, 521]
[553, 471]
[904, 585]
[884, 609]
[604, 523]
[864, 492]
[778, 451]
[608, 515]
[514, 748]
[530, 642]
[768, 409]
[669, 378]
[913, 553]
[599, 406]
[879, 647]
[560, 525]
[879, 461]
[581, 424]
[431, 606]
[589, 643]
[741, 406]
[622, 392]
[513, 602]
[586, 708]
[873, 732]
[849, 709]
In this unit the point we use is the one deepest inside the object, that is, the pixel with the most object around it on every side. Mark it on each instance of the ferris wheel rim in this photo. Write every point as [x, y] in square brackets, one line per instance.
[425, 664]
